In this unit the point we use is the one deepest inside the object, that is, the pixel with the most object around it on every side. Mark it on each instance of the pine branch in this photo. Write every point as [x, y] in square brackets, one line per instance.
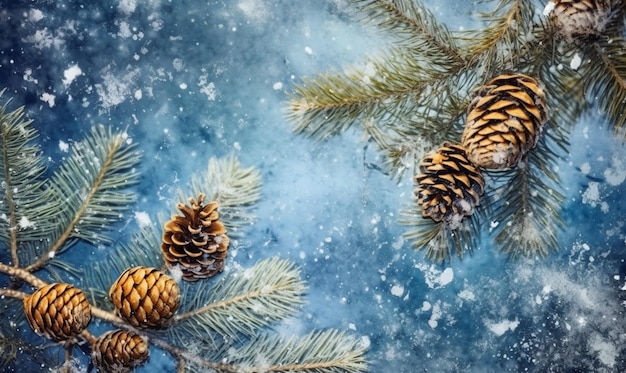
[527, 201]
[24, 198]
[88, 190]
[241, 302]
[236, 189]
[495, 48]
[323, 351]
[440, 241]
[604, 77]
[412, 26]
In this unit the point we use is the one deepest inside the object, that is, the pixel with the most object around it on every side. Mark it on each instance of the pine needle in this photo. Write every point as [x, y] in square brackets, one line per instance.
[328, 351]
[440, 241]
[25, 200]
[88, 190]
[240, 302]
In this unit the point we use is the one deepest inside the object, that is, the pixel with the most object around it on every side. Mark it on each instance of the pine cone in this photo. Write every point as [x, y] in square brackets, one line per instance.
[579, 20]
[145, 297]
[196, 242]
[57, 311]
[449, 186]
[504, 121]
[119, 351]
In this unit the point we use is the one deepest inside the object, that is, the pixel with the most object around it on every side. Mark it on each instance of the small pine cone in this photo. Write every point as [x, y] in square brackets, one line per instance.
[448, 186]
[196, 243]
[145, 297]
[119, 351]
[579, 20]
[504, 121]
[57, 311]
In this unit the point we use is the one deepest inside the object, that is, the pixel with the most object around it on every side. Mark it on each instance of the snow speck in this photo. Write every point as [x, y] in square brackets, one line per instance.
[397, 290]
[206, 87]
[138, 94]
[585, 168]
[616, 175]
[127, 7]
[435, 278]
[35, 15]
[25, 223]
[308, 50]
[277, 86]
[549, 7]
[63, 146]
[182, 86]
[499, 328]
[143, 219]
[48, 98]
[433, 322]
[70, 74]
[576, 61]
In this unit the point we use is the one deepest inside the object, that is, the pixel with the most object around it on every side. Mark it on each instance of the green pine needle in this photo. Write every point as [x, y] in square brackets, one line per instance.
[328, 351]
[240, 302]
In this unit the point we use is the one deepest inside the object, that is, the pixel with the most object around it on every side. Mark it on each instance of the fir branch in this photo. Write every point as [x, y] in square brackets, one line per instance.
[87, 190]
[527, 201]
[412, 26]
[242, 301]
[441, 240]
[24, 198]
[321, 351]
[236, 189]
[604, 76]
[509, 27]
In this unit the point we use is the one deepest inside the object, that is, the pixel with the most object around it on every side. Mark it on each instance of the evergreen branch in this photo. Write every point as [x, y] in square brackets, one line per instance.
[322, 351]
[87, 189]
[507, 30]
[410, 22]
[24, 206]
[527, 201]
[236, 189]
[441, 240]
[242, 301]
[605, 78]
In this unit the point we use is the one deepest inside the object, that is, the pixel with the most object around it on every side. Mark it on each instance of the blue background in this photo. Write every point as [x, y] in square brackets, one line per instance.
[191, 80]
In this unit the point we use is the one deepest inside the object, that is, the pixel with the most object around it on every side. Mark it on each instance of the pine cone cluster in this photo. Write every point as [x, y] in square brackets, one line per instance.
[196, 243]
[449, 185]
[579, 20]
[119, 351]
[145, 297]
[504, 121]
[57, 311]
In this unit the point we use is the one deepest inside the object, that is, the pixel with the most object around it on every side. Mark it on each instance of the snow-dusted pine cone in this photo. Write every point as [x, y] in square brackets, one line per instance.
[145, 297]
[449, 186]
[57, 311]
[119, 351]
[504, 121]
[578, 20]
[196, 243]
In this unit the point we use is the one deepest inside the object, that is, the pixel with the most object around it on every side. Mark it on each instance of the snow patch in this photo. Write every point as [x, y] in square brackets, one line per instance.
[63, 146]
[48, 98]
[206, 87]
[25, 223]
[435, 278]
[70, 74]
[575, 62]
[616, 175]
[499, 328]
[397, 290]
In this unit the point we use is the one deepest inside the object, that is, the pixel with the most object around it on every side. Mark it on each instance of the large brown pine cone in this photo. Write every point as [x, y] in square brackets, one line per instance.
[57, 311]
[579, 20]
[196, 243]
[449, 186]
[145, 297]
[119, 351]
[504, 121]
